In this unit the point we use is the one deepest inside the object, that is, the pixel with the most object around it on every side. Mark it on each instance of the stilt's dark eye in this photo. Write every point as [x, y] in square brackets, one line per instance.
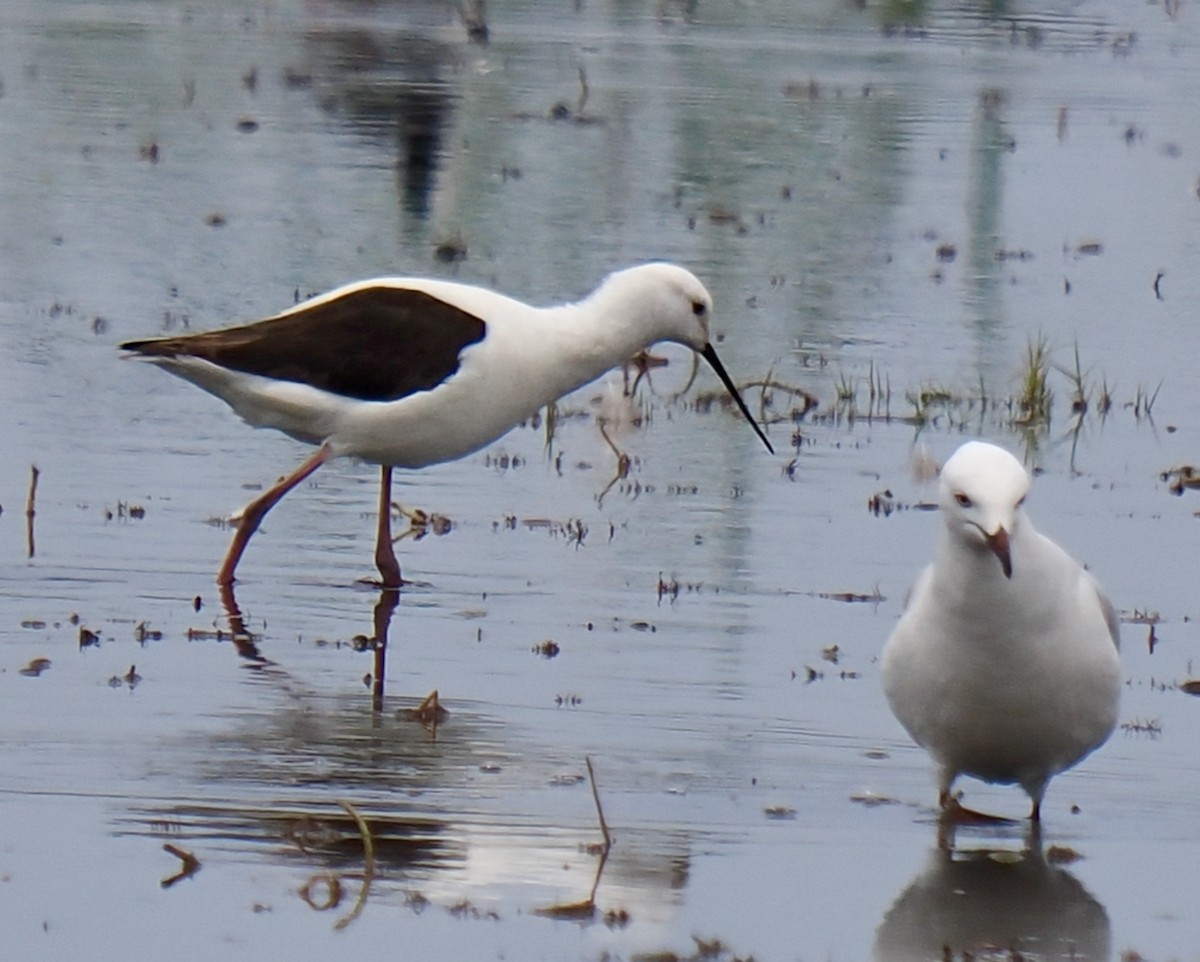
[962, 499]
[699, 308]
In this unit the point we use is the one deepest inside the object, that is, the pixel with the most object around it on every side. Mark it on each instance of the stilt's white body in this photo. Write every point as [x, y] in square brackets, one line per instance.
[1010, 680]
[528, 358]
[408, 372]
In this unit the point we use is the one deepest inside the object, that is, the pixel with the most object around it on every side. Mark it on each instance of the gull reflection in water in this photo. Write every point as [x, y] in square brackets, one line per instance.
[992, 903]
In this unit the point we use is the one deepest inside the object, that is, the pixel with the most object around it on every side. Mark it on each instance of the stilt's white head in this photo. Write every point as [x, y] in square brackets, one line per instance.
[669, 303]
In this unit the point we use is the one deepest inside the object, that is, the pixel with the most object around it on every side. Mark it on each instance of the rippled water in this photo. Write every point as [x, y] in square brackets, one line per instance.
[888, 195]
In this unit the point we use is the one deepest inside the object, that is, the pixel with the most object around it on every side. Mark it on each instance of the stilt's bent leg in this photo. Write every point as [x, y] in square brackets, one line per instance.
[257, 509]
[385, 553]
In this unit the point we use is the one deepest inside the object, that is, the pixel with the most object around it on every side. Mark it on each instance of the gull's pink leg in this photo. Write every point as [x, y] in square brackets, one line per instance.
[385, 554]
[257, 509]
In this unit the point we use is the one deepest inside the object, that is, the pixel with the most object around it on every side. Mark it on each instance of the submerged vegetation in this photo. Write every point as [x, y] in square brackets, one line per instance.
[1027, 405]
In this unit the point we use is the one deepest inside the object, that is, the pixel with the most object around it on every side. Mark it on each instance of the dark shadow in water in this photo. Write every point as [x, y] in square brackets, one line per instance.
[388, 601]
[389, 83]
[245, 642]
[366, 803]
[979, 902]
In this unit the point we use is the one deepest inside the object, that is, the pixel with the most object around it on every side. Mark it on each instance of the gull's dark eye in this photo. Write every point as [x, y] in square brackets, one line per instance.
[962, 499]
[699, 308]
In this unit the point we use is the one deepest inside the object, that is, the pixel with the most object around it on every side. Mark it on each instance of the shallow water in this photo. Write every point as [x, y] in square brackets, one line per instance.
[903, 195]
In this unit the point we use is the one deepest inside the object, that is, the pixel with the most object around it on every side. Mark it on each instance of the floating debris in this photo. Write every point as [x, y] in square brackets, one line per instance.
[852, 597]
[429, 712]
[451, 251]
[35, 667]
[189, 867]
[882, 503]
[871, 799]
[322, 892]
[547, 649]
[421, 523]
[1142, 726]
[130, 678]
[1183, 478]
[1142, 616]
[142, 633]
[1062, 855]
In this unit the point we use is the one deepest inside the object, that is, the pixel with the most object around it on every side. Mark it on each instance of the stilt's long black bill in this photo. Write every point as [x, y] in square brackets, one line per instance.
[710, 355]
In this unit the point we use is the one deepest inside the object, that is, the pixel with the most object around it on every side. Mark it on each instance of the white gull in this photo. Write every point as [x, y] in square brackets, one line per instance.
[1004, 665]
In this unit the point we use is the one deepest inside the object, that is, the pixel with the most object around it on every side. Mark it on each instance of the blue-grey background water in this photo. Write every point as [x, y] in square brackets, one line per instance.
[891, 202]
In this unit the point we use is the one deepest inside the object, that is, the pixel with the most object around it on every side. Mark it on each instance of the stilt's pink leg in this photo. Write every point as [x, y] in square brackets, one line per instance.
[385, 554]
[257, 509]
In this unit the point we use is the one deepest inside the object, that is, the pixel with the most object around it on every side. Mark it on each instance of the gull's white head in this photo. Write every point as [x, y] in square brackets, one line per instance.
[983, 488]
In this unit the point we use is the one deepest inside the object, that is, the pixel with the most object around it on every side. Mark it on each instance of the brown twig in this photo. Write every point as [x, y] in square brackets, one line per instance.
[368, 866]
[190, 866]
[31, 506]
[585, 910]
[599, 809]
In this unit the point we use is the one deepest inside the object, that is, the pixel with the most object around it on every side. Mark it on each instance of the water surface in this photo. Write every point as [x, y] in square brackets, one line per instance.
[902, 195]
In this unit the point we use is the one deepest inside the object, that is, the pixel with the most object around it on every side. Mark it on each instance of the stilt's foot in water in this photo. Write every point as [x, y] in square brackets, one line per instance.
[389, 575]
[389, 571]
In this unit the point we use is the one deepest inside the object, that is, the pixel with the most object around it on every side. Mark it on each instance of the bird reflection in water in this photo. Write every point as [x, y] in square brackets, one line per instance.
[246, 643]
[986, 903]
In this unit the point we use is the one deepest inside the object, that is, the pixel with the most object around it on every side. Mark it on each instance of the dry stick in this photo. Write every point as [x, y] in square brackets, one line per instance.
[586, 909]
[30, 506]
[368, 866]
[690, 381]
[599, 809]
[623, 462]
[583, 99]
[603, 831]
[762, 395]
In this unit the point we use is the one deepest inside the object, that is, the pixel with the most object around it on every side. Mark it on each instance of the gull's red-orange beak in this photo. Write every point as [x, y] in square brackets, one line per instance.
[997, 541]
